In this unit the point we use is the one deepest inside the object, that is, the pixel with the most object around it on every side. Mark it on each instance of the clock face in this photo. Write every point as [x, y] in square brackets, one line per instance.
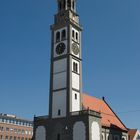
[75, 49]
[60, 48]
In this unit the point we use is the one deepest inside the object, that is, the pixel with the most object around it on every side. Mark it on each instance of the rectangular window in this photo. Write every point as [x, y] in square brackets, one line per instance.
[75, 67]
[59, 112]
[23, 131]
[75, 96]
[7, 129]
[1, 136]
[8, 121]
[19, 131]
[73, 34]
[58, 137]
[12, 121]
[24, 123]
[6, 137]
[11, 137]
[76, 36]
[1, 128]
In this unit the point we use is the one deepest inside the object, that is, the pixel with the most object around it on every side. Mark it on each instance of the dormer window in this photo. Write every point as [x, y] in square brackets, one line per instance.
[57, 36]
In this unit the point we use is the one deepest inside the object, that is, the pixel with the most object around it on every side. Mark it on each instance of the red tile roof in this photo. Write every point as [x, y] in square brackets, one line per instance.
[132, 133]
[109, 118]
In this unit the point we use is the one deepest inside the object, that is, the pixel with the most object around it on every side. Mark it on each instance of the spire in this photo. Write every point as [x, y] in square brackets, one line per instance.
[66, 5]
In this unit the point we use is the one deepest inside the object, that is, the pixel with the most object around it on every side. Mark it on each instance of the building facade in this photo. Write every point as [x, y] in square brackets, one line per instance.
[72, 114]
[14, 128]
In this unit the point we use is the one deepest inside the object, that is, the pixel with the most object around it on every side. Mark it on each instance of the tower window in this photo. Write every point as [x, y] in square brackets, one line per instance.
[73, 5]
[59, 112]
[64, 4]
[57, 36]
[75, 96]
[75, 67]
[73, 34]
[63, 34]
[69, 3]
[58, 136]
[59, 6]
[76, 36]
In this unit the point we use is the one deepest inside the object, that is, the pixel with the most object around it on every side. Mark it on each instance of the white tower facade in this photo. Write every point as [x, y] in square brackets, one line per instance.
[66, 63]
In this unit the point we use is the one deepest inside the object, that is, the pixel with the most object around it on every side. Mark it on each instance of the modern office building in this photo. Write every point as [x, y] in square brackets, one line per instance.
[14, 128]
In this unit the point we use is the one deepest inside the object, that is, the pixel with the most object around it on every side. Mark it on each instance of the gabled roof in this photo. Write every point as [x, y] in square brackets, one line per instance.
[132, 133]
[109, 118]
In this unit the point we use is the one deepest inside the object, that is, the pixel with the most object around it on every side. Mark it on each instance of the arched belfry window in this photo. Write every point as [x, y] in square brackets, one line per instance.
[63, 34]
[58, 36]
[69, 3]
[73, 34]
[64, 4]
[73, 5]
[76, 36]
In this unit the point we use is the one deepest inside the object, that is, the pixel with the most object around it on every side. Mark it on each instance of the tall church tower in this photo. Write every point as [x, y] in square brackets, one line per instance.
[66, 65]
[67, 119]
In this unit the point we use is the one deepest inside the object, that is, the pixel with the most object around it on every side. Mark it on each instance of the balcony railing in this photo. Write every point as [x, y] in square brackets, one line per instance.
[41, 117]
[76, 113]
[84, 112]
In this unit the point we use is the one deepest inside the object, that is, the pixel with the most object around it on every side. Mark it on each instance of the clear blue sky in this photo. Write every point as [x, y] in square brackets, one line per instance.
[111, 55]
